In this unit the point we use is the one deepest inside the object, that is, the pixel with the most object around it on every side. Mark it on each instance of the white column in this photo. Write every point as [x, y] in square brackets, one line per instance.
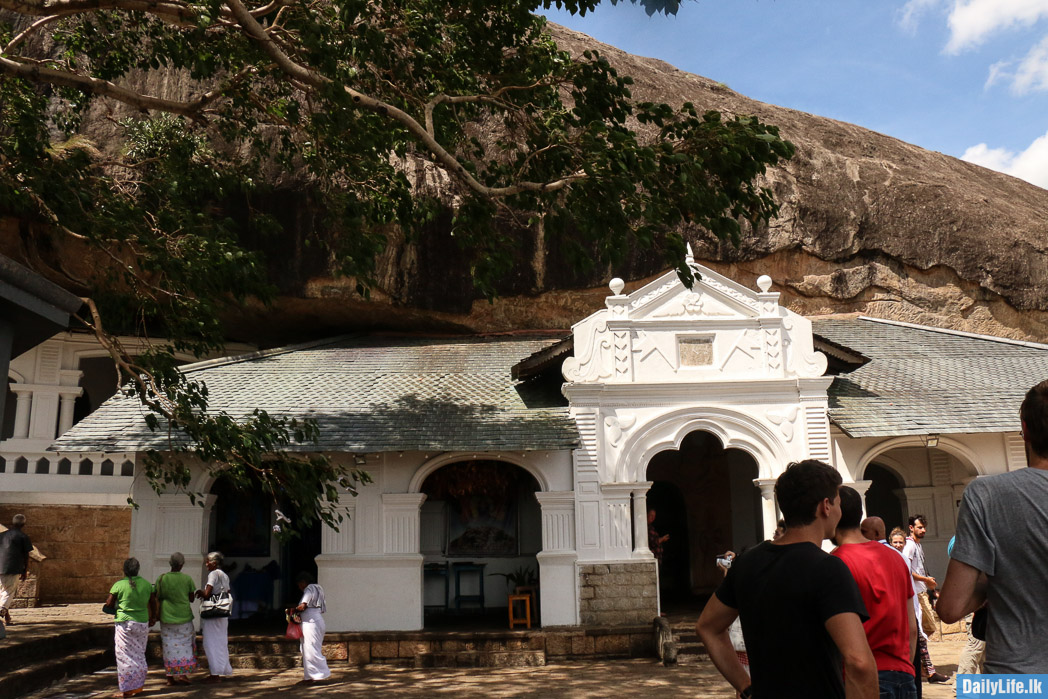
[22, 407]
[618, 525]
[861, 487]
[181, 526]
[640, 521]
[557, 579]
[771, 513]
[400, 522]
[65, 411]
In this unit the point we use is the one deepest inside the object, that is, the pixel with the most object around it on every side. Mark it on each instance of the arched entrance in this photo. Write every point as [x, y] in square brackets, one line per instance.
[704, 498]
[261, 568]
[480, 530]
[882, 498]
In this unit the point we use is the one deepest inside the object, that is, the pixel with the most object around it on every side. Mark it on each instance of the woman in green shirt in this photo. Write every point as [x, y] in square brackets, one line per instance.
[174, 592]
[130, 595]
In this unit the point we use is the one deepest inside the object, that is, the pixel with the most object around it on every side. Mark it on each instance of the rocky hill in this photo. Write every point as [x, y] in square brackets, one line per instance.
[868, 224]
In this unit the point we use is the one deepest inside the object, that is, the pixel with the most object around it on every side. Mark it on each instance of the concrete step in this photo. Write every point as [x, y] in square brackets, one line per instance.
[33, 677]
[473, 658]
[18, 651]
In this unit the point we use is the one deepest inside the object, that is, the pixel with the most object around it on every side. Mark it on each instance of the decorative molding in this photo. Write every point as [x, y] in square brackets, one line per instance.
[616, 426]
[400, 522]
[785, 420]
[1015, 451]
[817, 425]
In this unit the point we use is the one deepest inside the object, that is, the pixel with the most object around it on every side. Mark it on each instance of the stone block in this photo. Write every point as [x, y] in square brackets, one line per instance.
[358, 652]
[558, 644]
[641, 645]
[536, 643]
[649, 591]
[612, 644]
[385, 649]
[586, 592]
[582, 645]
[601, 569]
[335, 651]
[408, 649]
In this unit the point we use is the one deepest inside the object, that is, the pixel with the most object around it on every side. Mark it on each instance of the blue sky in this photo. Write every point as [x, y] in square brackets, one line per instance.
[968, 78]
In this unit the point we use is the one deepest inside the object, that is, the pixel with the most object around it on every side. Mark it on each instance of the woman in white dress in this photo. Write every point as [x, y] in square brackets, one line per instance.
[311, 608]
[216, 630]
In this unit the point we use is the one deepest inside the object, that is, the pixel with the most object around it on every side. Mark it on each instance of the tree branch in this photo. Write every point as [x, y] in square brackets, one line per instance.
[441, 154]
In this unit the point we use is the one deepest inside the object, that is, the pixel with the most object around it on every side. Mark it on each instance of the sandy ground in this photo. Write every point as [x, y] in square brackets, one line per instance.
[633, 678]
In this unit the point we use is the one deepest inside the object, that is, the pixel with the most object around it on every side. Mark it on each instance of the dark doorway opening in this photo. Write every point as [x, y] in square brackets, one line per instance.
[881, 500]
[261, 566]
[704, 498]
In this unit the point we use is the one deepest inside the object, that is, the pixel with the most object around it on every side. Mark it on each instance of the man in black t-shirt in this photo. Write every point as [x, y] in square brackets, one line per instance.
[800, 608]
[15, 548]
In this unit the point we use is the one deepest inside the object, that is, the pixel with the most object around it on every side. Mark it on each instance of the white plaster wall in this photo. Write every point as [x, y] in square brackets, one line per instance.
[933, 478]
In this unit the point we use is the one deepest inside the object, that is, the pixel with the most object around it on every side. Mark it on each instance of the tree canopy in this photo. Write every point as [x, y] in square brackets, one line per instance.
[392, 112]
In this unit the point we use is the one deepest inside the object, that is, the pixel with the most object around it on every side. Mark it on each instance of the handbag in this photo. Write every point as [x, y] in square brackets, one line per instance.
[294, 630]
[217, 606]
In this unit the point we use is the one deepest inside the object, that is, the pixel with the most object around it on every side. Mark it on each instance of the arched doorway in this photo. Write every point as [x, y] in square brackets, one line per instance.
[261, 568]
[704, 498]
[480, 530]
[881, 497]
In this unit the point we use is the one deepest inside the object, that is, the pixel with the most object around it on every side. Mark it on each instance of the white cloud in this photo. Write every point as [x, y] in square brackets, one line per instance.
[998, 71]
[1032, 73]
[972, 21]
[1030, 165]
[912, 11]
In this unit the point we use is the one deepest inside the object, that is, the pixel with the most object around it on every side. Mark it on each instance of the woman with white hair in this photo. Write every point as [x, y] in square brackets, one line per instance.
[311, 607]
[216, 629]
[175, 592]
[130, 597]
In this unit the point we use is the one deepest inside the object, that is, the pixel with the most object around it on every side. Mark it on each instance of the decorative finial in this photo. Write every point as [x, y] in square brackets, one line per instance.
[690, 257]
[616, 285]
[764, 283]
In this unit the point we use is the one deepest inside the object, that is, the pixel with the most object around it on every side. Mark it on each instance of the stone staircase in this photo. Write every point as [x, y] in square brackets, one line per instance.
[30, 662]
[677, 642]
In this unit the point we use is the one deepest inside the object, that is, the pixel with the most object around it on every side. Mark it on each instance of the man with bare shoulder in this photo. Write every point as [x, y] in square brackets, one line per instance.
[800, 608]
[1001, 553]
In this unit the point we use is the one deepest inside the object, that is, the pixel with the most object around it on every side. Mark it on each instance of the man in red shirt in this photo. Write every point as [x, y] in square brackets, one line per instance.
[884, 583]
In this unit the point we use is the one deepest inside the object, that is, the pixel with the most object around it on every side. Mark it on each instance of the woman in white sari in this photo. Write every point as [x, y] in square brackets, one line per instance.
[311, 609]
[216, 630]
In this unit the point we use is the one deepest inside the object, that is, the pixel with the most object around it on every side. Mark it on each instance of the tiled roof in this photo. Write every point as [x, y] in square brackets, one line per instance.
[369, 394]
[923, 380]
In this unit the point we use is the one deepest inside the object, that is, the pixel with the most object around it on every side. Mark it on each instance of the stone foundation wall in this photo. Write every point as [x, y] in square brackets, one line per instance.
[85, 548]
[618, 594]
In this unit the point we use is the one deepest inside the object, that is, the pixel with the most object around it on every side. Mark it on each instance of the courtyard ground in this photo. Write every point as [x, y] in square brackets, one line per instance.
[630, 677]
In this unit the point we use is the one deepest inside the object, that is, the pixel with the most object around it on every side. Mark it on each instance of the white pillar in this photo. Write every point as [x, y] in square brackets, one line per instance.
[640, 521]
[861, 487]
[618, 525]
[559, 604]
[771, 513]
[65, 414]
[24, 403]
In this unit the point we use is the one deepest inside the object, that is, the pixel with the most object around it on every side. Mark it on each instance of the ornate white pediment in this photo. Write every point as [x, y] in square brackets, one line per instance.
[715, 331]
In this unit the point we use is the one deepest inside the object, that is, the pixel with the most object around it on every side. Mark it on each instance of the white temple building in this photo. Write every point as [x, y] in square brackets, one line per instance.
[502, 454]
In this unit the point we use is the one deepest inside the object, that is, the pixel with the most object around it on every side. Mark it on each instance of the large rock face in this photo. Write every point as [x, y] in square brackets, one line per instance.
[868, 224]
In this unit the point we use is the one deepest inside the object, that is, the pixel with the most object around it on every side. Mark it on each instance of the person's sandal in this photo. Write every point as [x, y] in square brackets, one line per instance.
[938, 678]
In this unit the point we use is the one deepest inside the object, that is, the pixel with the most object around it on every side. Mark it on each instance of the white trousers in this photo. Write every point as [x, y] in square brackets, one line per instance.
[8, 587]
[314, 664]
[216, 645]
